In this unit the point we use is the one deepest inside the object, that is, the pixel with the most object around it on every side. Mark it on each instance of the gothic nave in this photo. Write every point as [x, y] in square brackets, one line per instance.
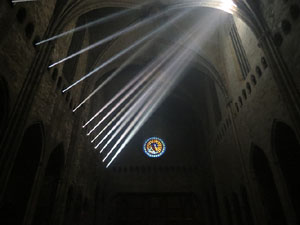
[149, 112]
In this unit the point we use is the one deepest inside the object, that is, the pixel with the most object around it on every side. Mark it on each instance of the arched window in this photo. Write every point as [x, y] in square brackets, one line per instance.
[248, 87]
[267, 188]
[240, 101]
[287, 148]
[237, 107]
[253, 80]
[244, 94]
[258, 71]
[264, 62]
[22, 177]
[49, 187]
[215, 101]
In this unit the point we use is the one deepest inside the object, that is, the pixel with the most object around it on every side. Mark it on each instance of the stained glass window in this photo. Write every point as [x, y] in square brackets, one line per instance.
[154, 147]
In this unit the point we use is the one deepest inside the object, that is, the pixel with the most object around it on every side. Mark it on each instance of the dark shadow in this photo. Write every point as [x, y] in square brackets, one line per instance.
[22, 176]
[4, 103]
[49, 186]
[228, 211]
[267, 188]
[246, 206]
[287, 148]
[237, 209]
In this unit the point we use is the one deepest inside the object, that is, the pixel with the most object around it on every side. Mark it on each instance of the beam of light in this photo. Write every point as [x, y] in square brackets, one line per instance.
[131, 112]
[176, 68]
[93, 23]
[125, 118]
[128, 116]
[136, 83]
[124, 51]
[225, 5]
[149, 108]
[19, 1]
[150, 69]
[123, 109]
[119, 113]
[133, 90]
[153, 91]
[114, 74]
[113, 36]
[121, 92]
[136, 117]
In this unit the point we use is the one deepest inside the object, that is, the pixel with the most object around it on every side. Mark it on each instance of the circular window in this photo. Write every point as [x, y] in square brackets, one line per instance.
[154, 147]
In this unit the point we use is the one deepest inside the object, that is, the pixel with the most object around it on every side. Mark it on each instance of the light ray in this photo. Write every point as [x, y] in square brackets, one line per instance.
[121, 102]
[176, 68]
[146, 112]
[123, 110]
[136, 118]
[149, 71]
[153, 66]
[93, 23]
[131, 101]
[120, 93]
[114, 74]
[123, 90]
[224, 5]
[119, 113]
[155, 95]
[131, 112]
[127, 116]
[164, 57]
[124, 51]
[113, 36]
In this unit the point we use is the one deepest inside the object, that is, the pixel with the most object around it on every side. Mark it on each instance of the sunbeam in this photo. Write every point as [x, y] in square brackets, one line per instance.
[175, 68]
[93, 23]
[114, 74]
[115, 35]
[151, 95]
[126, 50]
[149, 70]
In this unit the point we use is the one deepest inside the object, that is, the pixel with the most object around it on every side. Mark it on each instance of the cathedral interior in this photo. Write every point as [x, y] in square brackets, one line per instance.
[150, 112]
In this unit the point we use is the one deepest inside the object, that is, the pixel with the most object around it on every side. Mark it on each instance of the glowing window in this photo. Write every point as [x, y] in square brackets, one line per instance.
[154, 147]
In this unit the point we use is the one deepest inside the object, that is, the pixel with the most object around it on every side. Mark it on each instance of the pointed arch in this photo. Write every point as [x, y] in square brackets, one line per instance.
[22, 177]
[268, 192]
[286, 148]
[48, 192]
